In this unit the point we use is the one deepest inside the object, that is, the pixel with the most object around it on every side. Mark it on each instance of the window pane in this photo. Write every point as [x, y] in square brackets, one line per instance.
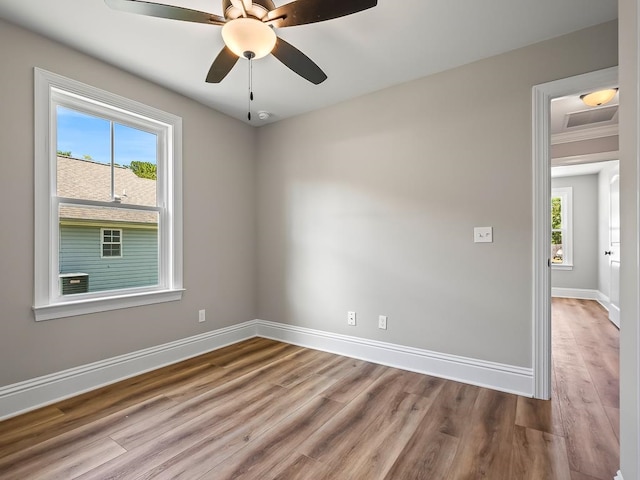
[557, 254]
[84, 155]
[556, 212]
[132, 263]
[136, 171]
[111, 250]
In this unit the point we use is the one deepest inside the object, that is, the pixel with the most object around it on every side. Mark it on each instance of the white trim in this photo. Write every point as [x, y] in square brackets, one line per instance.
[585, 134]
[614, 315]
[103, 243]
[580, 293]
[618, 476]
[38, 392]
[566, 205]
[51, 89]
[541, 163]
[587, 158]
[561, 266]
[604, 301]
[105, 304]
[497, 376]
[35, 393]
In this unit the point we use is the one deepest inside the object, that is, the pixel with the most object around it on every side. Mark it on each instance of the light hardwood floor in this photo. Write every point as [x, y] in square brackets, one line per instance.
[264, 410]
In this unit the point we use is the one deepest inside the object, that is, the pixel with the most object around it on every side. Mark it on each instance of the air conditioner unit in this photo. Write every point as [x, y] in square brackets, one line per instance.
[71, 283]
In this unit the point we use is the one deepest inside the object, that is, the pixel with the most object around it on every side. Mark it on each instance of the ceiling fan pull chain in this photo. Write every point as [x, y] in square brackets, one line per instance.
[249, 56]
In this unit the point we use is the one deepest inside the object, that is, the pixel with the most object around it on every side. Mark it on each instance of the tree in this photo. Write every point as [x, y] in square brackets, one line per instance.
[144, 169]
[87, 157]
[64, 153]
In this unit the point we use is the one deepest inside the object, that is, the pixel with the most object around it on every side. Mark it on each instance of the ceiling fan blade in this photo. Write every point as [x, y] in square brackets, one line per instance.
[301, 12]
[165, 11]
[298, 62]
[221, 66]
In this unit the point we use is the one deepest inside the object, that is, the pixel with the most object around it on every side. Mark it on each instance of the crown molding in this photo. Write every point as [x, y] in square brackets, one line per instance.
[585, 134]
[588, 158]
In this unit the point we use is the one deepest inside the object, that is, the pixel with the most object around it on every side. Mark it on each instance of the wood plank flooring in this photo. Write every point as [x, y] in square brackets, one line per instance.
[265, 410]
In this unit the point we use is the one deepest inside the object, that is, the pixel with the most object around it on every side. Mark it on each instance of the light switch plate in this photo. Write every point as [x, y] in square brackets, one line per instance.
[483, 234]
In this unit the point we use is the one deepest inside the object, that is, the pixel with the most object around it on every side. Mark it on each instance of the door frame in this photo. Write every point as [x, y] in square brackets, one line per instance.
[541, 102]
[614, 309]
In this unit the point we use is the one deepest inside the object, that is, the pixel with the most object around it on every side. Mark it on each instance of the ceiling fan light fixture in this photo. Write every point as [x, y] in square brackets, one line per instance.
[249, 35]
[601, 97]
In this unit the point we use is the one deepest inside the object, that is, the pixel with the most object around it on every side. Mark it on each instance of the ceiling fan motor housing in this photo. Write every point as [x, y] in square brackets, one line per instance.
[259, 9]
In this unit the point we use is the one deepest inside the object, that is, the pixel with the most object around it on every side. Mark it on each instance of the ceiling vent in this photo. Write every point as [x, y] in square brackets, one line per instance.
[589, 117]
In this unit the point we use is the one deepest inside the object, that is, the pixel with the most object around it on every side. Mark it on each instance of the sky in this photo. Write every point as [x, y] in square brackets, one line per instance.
[83, 134]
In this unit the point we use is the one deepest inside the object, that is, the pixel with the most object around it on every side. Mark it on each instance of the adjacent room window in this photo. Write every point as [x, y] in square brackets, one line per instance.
[107, 169]
[561, 228]
[111, 242]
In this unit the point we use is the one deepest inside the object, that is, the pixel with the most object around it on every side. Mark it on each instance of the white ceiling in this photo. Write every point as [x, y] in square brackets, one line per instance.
[394, 42]
[583, 169]
[561, 107]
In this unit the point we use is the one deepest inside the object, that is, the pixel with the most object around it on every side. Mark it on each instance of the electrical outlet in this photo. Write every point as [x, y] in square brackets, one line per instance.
[201, 316]
[382, 322]
[351, 319]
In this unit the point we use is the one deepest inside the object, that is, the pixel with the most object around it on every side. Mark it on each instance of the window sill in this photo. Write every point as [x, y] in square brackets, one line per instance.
[95, 305]
[561, 267]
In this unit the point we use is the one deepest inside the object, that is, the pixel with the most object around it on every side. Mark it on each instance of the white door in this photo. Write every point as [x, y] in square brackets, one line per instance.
[614, 249]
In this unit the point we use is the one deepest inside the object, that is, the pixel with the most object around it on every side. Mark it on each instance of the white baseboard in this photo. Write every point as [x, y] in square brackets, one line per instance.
[35, 393]
[580, 293]
[506, 378]
[38, 392]
[603, 300]
[614, 315]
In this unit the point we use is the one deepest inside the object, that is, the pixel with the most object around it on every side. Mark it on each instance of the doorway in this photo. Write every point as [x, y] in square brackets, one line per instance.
[542, 97]
[567, 369]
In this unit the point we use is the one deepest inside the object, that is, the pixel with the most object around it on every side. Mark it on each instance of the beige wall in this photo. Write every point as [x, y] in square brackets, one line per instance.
[370, 206]
[629, 281]
[219, 223]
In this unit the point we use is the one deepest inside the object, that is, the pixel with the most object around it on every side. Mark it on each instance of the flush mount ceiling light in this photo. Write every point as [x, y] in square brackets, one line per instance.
[601, 97]
[250, 35]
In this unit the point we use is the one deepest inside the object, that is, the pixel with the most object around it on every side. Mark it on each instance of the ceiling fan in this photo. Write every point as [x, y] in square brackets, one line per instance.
[248, 28]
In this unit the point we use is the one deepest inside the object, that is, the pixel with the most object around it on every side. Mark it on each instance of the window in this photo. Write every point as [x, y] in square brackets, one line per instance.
[107, 169]
[561, 228]
[111, 243]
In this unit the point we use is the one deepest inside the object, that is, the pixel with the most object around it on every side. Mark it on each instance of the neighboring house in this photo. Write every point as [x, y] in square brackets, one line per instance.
[115, 247]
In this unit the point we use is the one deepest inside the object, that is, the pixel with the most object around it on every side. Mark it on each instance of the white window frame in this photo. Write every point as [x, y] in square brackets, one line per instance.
[103, 243]
[566, 196]
[52, 90]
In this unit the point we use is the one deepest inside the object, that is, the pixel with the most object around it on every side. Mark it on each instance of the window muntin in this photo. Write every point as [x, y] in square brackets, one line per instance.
[561, 227]
[56, 97]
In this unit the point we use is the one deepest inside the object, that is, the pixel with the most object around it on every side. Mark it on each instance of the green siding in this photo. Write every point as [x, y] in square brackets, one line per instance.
[138, 266]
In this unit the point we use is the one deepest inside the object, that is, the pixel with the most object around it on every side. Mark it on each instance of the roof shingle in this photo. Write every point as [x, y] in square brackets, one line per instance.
[91, 180]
